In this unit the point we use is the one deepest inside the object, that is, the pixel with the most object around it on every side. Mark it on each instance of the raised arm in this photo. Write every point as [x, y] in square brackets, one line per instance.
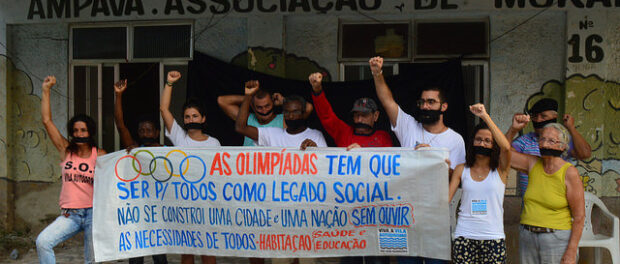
[164, 106]
[455, 180]
[503, 143]
[519, 121]
[241, 123]
[59, 141]
[383, 91]
[581, 149]
[575, 197]
[230, 104]
[332, 124]
[522, 162]
[126, 139]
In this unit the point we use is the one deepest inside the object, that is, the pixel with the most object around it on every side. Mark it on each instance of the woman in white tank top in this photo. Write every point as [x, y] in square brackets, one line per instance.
[479, 236]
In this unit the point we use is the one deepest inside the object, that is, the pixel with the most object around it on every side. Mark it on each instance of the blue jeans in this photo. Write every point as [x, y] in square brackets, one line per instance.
[63, 228]
[420, 260]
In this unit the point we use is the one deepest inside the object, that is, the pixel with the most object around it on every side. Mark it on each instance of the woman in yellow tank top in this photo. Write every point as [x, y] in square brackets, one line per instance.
[553, 205]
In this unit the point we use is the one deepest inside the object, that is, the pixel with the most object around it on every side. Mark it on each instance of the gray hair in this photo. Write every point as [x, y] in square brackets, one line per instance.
[565, 137]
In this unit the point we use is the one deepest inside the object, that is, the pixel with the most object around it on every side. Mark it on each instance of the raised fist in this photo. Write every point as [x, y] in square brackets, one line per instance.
[569, 121]
[478, 110]
[519, 121]
[315, 80]
[48, 82]
[278, 99]
[251, 87]
[376, 63]
[120, 86]
[173, 76]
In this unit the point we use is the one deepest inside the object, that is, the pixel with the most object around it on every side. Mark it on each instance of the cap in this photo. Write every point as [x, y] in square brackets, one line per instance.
[365, 104]
[544, 105]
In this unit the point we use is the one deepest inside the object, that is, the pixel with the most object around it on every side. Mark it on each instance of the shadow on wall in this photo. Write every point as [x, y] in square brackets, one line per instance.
[276, 62]
[595, 104]
[31, 155]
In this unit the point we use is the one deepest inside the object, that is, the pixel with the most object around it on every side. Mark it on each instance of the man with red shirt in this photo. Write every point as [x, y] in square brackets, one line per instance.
[361, 134]
[365, 114]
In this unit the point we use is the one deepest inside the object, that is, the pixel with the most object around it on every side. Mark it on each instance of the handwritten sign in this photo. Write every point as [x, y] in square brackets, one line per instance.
[271, 202]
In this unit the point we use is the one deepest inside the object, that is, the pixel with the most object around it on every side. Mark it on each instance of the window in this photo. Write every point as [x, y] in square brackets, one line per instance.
[99, 43]
[358, 41]
[143, 41]
[95, 66]
[162, 41]
[441, 39]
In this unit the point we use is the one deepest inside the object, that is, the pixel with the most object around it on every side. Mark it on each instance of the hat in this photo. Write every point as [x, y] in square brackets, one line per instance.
[544, 105]
[365, 104]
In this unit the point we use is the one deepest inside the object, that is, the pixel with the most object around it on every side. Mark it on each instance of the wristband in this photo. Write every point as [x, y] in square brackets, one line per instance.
[377, 74]
[169, 83]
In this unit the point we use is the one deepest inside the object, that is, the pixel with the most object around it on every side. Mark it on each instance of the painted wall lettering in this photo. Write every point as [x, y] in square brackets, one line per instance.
[50, 9]
[560, 3]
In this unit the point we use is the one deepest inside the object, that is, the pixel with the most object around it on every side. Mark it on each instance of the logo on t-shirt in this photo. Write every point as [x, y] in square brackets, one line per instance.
[479, 207]
[81, 173]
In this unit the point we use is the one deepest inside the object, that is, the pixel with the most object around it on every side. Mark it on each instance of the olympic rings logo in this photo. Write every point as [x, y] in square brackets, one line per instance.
[152, 167]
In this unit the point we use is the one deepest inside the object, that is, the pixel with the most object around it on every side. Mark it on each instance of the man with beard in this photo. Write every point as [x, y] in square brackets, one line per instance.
[365, 114]
[263, 104]
[544, 112]
[148, 133]
[296, 134]
[361, 134]
[428, 131]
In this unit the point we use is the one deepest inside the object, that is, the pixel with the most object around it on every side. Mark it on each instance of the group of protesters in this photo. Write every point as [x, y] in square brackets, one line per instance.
[552, 217]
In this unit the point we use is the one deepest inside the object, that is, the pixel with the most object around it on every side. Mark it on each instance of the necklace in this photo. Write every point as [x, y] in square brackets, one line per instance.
[431, 138]
[477, 176]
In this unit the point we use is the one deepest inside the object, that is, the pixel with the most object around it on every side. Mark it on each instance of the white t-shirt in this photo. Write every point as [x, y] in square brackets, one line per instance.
[179, 138]
[278, 137]
[411, 133]
[481, 214]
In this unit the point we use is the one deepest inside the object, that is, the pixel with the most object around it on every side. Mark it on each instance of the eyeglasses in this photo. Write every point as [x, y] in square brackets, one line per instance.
[549, 141]
[431, 102]
[485, 141]
[296, 112]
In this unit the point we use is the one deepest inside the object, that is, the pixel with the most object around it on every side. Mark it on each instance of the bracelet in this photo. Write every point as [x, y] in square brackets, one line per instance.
[169, 83]
[377, 74]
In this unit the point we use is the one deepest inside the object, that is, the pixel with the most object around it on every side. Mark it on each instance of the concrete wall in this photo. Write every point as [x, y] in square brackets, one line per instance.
[521, 62]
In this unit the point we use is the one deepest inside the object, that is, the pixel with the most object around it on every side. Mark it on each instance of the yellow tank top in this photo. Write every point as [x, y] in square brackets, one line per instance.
[544, 202]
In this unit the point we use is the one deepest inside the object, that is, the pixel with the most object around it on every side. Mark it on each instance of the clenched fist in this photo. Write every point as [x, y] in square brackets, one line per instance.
[173, 76]
[48, 83]
[376, 63]
[315, 80]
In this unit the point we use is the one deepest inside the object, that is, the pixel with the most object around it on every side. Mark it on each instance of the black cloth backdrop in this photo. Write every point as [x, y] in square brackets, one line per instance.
[209, 78]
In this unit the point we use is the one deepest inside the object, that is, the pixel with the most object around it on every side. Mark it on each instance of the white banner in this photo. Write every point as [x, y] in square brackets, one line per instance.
[271, 202]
